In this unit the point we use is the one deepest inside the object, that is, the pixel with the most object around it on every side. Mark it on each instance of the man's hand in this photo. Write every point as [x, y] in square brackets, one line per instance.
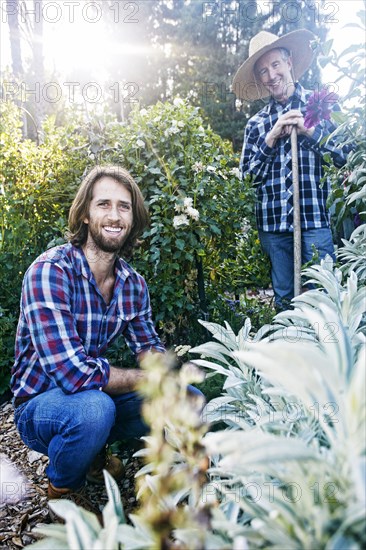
[123, 380]
[284, 125]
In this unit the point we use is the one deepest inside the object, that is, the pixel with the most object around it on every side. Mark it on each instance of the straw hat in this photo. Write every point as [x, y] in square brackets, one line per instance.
[245, 84]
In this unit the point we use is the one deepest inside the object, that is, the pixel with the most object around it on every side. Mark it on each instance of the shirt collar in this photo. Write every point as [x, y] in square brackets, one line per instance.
[299, 96]
[122, 269]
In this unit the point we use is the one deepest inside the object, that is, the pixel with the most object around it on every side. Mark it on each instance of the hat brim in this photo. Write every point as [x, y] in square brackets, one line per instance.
[245, 84]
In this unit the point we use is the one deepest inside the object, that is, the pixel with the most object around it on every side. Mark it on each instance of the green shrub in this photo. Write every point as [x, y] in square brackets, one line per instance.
[37, 184]
[193, 251]
[197, 205]
[348, 197]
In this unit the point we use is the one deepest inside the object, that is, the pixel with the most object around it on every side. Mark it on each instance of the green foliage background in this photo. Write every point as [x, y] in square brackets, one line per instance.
[192, 270]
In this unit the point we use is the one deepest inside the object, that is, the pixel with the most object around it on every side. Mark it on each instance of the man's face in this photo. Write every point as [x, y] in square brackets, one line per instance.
[274, 73]
[110, 216]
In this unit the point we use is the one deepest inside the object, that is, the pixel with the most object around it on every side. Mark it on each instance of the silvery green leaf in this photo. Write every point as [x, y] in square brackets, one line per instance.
[243, 452]
[140, 525]
[107, 539]
[147, 469]
[132, 538]
[142, 452]
[212, 349]
[51, 543]
[54, 530]
[113, 507]
[231, 382]
[194, 538]
[214, 366]
[68, 510]
[225, 336]
[294, 367]
[79, 534]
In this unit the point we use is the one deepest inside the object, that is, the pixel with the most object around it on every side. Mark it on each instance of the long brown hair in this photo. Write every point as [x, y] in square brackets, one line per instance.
[78, 229]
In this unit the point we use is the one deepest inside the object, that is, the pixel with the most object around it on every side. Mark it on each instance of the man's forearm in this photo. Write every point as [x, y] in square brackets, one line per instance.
[122, 380]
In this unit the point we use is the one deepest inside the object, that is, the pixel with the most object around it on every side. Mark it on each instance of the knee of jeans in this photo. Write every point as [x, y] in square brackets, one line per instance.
[96, 411]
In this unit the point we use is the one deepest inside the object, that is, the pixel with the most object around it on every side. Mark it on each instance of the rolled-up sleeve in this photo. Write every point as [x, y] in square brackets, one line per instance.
[140, 333]
[46, 306]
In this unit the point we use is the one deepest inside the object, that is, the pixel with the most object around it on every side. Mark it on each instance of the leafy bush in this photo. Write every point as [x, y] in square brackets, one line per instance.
[37, 183]
[353, 253]
[348, 197]
[197, 206]
[189, 178]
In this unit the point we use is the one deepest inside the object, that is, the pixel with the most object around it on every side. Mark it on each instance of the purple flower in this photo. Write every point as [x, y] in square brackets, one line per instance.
[319, 107]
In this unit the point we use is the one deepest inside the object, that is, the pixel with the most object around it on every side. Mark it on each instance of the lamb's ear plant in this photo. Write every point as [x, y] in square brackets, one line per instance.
[290, 467]
[82, 529]
[353, 253]
[172, 512]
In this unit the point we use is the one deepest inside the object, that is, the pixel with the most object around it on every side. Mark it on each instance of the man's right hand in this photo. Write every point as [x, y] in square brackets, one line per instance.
[284, 125]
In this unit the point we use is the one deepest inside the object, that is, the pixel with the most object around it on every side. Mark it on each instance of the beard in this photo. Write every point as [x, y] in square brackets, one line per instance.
[105, 243]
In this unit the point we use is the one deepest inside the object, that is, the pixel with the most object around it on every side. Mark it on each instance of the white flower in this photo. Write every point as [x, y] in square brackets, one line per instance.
[193, 213]
[235, 172]
[182, 350]
[172, 130]
[201, 130]
[181, 124]
[143, 112]
[211, 169]
[180, 220]
[140, 143]
[157, 119]
[245, 226]
[178, 102]
[198, 167]
[188, 201]
[178, 207]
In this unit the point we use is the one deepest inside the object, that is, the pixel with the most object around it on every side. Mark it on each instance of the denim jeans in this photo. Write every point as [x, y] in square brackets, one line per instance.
[72, 429]
[279, 247]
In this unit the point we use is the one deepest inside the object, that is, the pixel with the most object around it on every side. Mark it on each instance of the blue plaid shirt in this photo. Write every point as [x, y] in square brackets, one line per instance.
[270, 168]
[65, 327]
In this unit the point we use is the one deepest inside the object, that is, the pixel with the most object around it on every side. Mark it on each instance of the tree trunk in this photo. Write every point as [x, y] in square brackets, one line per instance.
[38, 79]
[12, 10]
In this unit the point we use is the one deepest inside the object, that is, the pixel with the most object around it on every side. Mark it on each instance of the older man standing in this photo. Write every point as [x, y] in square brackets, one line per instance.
[272, 69]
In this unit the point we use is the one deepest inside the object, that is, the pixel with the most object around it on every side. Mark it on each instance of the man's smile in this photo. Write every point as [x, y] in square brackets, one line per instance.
[111, 229]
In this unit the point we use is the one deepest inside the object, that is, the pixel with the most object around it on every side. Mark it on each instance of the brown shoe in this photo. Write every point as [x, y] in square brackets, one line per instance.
[78, 497]
[105, 461]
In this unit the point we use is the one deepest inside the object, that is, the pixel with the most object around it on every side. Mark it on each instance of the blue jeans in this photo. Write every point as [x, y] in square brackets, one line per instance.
[72, 429]
[280, 249]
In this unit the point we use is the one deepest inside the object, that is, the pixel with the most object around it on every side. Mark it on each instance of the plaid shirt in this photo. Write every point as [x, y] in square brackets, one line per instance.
[270, 168]
[65, 326]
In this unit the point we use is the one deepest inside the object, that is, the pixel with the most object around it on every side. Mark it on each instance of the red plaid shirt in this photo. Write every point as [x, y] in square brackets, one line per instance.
[65, 327]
